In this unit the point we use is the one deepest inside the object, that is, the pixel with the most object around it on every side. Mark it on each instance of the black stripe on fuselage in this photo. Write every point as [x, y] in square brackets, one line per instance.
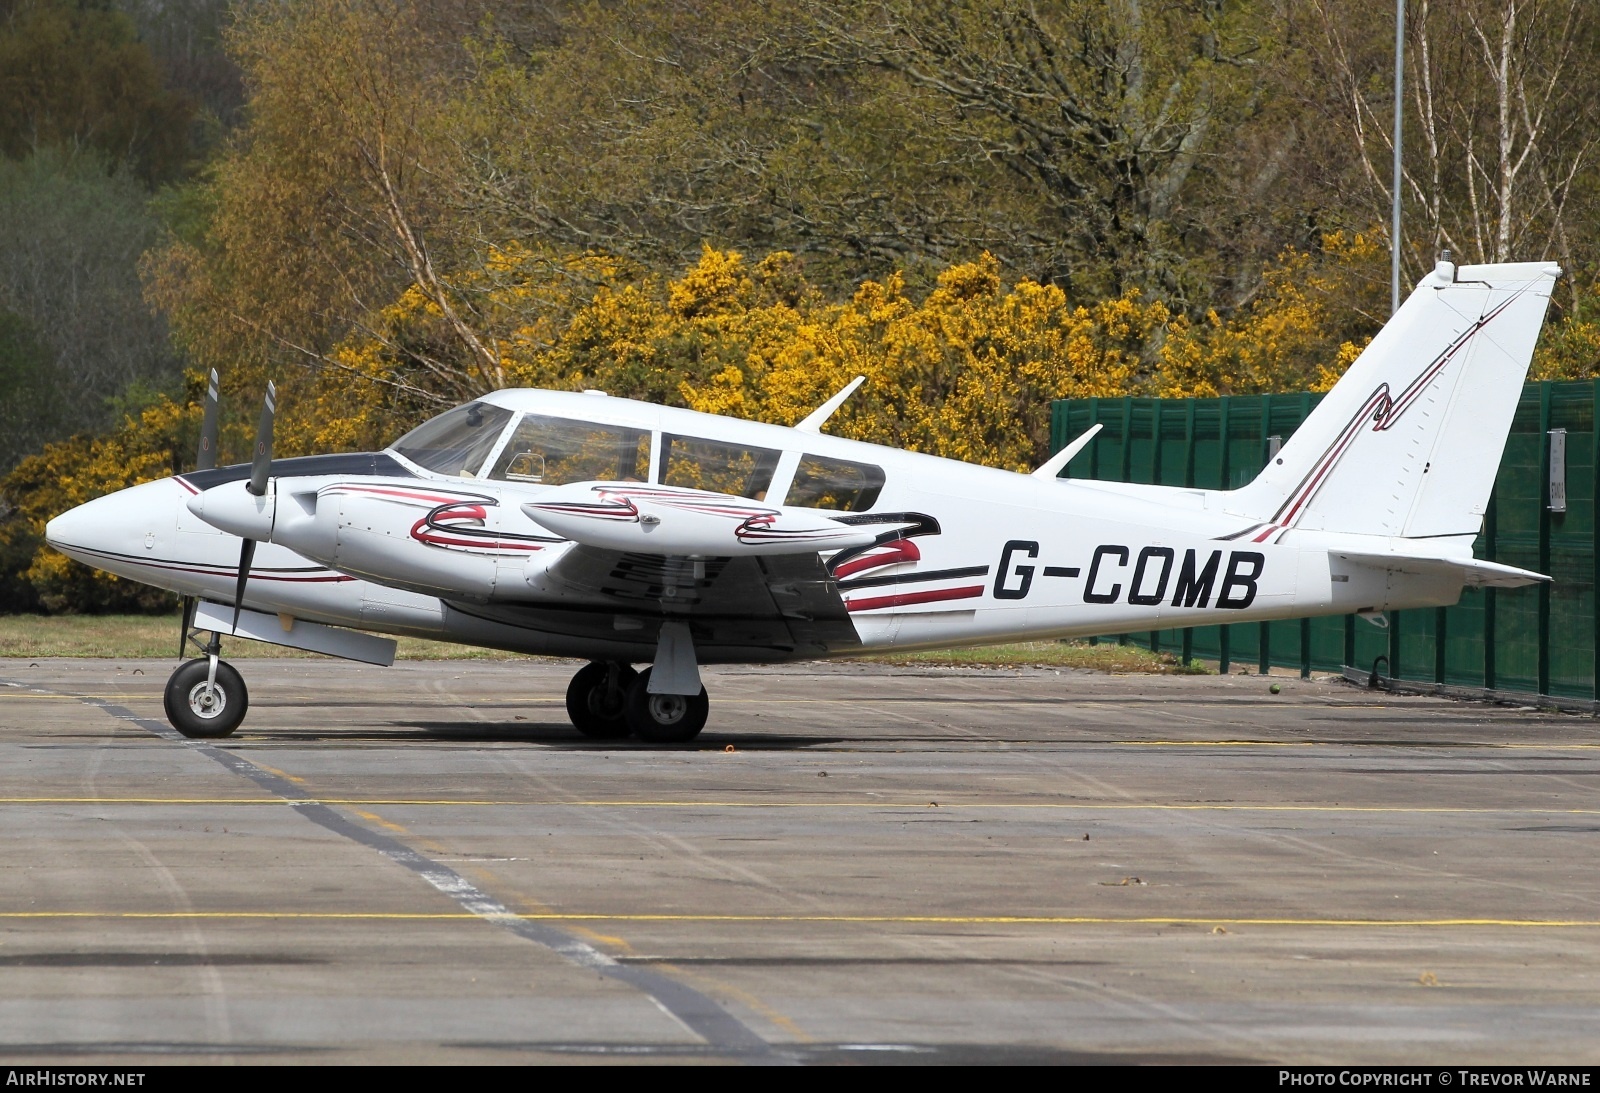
[376, 464]
[913, 578]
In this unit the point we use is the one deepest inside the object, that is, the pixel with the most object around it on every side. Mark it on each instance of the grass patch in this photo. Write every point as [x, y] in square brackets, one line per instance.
[118, 637]
[137, 636]
[1104, 657]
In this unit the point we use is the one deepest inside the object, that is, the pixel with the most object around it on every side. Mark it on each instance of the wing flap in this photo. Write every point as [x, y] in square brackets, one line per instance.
[782, 602]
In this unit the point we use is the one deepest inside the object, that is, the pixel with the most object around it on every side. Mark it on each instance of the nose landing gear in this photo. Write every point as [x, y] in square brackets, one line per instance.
[205, 702]
[205, 697]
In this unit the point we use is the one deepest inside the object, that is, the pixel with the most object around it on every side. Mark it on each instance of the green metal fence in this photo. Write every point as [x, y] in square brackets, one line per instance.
[1538, 640]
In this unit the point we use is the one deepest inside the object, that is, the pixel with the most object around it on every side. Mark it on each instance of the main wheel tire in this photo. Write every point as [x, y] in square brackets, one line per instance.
[665, 719]
[598, 710]
[197, 713]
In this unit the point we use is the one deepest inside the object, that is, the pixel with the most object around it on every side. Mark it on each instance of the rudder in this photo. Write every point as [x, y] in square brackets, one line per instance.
[1409, 440]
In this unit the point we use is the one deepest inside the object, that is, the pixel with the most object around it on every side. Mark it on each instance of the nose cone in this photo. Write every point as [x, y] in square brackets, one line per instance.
[234, 509]
[81, 528]
[119, 532]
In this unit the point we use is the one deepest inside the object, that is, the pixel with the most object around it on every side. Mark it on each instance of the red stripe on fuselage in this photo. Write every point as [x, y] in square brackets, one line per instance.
[900, 550]
[905, 599]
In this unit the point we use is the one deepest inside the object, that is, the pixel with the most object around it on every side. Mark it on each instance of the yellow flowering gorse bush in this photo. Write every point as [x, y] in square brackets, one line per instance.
[967, 371]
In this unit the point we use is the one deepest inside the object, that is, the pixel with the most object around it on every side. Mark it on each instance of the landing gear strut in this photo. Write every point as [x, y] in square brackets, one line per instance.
[610, 701]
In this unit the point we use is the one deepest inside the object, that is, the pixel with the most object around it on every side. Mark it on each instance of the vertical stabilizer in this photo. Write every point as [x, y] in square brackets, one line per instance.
[1408, 441]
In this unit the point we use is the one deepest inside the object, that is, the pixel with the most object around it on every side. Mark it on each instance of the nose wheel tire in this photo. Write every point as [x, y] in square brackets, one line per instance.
[597, 700]
[665, 719]
[198, 709]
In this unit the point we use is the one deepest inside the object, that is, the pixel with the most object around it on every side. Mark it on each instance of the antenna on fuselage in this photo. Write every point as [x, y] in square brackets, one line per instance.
[1053, 467]
[813, 421]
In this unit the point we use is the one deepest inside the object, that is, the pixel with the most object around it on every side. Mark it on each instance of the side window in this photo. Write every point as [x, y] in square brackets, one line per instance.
[836, 484]
[716, 466]
[552, 451]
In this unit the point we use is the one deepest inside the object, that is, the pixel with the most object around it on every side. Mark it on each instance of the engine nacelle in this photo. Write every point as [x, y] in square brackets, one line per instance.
[649, 519]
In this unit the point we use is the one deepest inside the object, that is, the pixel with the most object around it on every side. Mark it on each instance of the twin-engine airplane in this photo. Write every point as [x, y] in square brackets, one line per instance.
[622, 533]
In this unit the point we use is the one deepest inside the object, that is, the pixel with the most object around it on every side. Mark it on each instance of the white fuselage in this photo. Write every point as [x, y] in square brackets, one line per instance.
[993, 555]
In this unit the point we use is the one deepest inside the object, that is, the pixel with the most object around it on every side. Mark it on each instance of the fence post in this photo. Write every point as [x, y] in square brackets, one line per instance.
[1223, 426]
[1440, 623]
[1266, 427]
[1127, 439]
[1491, 521]
[1188, 444]
[1594, 525]
[1188, 482]
[1544, 536]
[1305, 624]
[1094, 449]
[1394, 644]
[1155, 443]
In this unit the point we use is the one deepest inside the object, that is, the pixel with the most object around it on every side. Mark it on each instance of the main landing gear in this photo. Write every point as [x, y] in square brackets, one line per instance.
[611, 701]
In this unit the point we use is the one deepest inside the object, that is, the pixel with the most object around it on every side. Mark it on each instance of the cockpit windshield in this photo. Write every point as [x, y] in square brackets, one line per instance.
[456, 442]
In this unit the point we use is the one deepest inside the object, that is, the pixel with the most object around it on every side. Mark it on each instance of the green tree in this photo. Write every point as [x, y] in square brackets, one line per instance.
[74, 75]
[80, 332]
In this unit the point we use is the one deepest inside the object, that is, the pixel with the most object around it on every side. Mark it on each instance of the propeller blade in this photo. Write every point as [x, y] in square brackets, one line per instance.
[261, 465]
[208, 428]
[185, 619]
[246, 554]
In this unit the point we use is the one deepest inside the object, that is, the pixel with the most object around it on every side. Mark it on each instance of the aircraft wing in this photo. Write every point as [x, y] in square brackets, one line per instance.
[778, 602]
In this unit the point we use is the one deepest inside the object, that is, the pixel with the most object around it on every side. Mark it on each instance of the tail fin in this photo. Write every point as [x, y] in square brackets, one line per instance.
[1408, 441]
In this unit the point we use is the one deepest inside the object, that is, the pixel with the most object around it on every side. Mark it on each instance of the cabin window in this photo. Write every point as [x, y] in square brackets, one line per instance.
[458, 441]
[836, 484]
[553, 451]
[717, 466]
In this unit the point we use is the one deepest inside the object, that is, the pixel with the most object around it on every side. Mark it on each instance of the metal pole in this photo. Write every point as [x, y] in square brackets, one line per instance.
[1544, 535]
[1399, 110]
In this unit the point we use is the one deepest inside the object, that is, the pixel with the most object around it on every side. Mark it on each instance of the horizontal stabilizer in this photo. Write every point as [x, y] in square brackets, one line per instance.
[1472, 572]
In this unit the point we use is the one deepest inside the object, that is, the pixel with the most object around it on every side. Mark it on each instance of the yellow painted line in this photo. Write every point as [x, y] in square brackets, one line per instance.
[85, 699]
[911, 920]
[373, 817]
[919, 805]
[1400, 746]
